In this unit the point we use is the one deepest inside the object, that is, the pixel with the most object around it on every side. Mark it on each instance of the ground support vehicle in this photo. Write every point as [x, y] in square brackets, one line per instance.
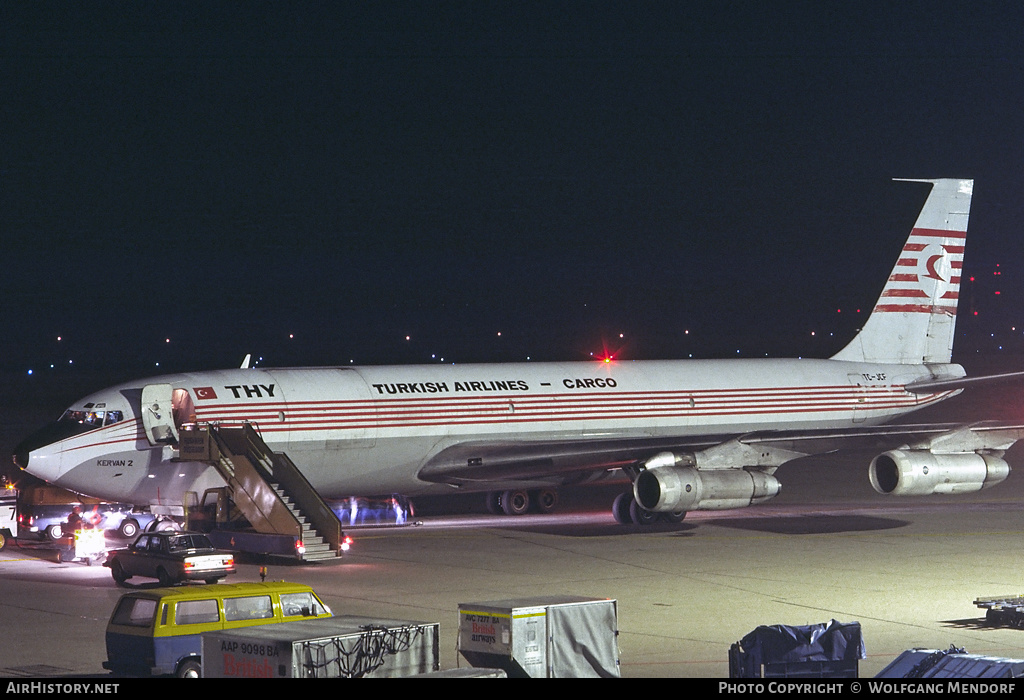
[171, 557]
[43, 510]
[266, 506]
[158, 631]
[1003, 611]
[86, 545]
[8, 516]
[227, 527]
[346, 646]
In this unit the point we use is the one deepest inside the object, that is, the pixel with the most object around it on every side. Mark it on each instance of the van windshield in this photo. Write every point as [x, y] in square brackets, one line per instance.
[134, 612]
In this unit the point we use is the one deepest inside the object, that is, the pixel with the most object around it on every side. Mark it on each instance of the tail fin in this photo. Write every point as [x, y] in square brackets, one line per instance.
[915, 317]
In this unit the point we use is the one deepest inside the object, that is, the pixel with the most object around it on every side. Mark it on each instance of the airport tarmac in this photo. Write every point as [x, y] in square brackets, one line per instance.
[908, 571]
[827, 548]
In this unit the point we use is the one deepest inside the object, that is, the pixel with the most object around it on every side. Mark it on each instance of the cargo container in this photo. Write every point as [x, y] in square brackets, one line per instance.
[543, 637]
[345, 646]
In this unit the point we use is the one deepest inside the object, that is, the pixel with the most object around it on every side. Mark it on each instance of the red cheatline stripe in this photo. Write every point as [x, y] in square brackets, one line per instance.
[440, 415]
[685, 402]
[548, 399]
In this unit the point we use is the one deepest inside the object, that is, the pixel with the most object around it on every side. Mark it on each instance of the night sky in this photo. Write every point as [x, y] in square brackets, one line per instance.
[185, 183]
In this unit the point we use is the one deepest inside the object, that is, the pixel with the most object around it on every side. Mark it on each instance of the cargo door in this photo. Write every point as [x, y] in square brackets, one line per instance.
[329, 409]
[158, 414]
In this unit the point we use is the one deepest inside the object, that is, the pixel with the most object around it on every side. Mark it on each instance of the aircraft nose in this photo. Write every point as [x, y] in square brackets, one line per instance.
[45, 463]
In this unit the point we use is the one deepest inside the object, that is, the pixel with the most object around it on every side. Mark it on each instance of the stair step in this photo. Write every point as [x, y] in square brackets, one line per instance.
[319, 556]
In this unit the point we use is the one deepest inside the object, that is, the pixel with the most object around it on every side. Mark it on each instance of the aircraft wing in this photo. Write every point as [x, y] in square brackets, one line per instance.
[555, 462]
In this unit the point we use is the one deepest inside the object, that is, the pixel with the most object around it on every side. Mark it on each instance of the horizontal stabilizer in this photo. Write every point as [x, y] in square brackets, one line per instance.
[930, 386]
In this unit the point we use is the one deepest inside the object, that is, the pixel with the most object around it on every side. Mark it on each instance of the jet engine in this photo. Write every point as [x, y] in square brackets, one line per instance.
[920, 472]
[672, 489]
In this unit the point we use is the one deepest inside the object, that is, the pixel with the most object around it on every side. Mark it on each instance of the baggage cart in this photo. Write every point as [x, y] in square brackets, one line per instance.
[1005, 610]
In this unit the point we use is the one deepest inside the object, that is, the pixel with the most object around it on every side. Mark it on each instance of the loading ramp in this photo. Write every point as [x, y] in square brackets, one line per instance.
[266, 487]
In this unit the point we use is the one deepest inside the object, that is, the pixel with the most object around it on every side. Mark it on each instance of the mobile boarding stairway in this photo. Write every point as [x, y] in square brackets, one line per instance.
[267, 489]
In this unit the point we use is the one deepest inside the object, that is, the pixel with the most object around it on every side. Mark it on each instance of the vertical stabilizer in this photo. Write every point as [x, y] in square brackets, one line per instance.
[915, 317]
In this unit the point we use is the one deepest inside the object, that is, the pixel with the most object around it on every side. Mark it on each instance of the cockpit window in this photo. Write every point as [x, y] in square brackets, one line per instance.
[91, 419]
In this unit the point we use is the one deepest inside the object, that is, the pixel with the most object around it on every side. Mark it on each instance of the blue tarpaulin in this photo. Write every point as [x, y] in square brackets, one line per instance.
[779, 649]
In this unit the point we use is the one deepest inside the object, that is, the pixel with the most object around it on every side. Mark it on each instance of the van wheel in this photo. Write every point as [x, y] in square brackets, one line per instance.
[190, 669]
[164, 577]
[55, 532]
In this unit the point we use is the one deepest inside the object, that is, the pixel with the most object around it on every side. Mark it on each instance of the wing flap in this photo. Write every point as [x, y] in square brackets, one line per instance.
[554, 462]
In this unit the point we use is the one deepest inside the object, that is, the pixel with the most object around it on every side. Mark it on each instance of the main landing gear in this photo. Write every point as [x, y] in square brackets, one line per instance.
[625, 508]
[521, 501]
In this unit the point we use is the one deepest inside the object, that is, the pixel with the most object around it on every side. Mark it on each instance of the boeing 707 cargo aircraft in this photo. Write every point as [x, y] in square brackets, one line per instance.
[689, 434]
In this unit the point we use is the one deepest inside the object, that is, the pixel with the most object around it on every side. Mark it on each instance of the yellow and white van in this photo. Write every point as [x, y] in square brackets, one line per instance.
[157, 631]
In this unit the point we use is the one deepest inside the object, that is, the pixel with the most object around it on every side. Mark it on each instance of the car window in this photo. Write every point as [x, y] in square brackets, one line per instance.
[254, 607]
[300, 604]
[183, 543]
[134, 612]
[191, 612]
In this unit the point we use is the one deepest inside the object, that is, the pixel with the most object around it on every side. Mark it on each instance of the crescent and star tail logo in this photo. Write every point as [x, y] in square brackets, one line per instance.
[931, 265]
[927, 275]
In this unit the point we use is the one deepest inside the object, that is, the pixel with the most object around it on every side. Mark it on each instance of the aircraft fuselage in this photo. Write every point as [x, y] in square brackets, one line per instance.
[371, 430]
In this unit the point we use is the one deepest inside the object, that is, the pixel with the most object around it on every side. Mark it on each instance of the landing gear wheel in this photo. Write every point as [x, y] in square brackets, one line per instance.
[620, 508]
[129, 528]
[641, 516]
[515, 502]
[546, 500]
[674, 518]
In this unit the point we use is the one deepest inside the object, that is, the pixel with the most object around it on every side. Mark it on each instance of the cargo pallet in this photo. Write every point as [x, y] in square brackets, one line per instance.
[1003, 611]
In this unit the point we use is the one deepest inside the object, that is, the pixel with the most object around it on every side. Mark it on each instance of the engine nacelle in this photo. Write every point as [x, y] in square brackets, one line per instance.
[672, 489]
[920, 473]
